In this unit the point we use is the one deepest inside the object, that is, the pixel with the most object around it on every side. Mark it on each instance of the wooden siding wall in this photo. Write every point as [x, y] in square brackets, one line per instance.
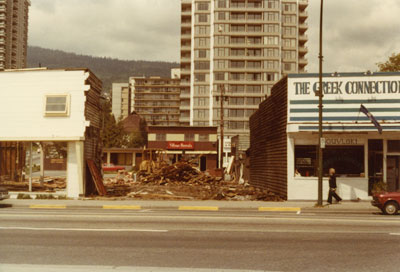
[92, 146]
[268, 142]
[12, 160]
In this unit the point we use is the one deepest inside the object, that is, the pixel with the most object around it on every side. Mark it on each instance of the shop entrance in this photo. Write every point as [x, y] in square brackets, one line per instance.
[393, 167]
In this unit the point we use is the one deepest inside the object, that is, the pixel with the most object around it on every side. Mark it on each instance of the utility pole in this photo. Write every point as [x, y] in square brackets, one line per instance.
[222, 92]
[320, 95]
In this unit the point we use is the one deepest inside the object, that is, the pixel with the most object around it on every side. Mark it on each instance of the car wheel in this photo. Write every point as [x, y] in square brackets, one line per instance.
[390, 208]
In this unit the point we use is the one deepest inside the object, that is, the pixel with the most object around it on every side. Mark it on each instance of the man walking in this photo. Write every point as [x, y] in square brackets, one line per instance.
[332, 187]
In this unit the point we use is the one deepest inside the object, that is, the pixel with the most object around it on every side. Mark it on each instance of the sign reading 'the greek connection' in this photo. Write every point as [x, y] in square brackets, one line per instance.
[343, 96]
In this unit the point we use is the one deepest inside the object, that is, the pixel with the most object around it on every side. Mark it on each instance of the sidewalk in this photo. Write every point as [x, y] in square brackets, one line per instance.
[210, 205]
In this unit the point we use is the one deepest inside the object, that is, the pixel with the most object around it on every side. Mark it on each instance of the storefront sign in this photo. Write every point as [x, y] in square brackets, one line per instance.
[180, 145]
[349, 87]
[341, 141]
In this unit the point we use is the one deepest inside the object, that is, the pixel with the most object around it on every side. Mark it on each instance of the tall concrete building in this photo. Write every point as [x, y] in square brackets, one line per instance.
[242, 47]
[122, 101]
[13, 33]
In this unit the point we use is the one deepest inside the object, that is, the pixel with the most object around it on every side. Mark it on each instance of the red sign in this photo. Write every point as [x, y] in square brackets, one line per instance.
[180, 145]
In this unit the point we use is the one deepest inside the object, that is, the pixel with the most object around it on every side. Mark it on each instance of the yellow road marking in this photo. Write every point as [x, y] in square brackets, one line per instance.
[121, 207]
[48, 206]
[279, 209]
[198, 208]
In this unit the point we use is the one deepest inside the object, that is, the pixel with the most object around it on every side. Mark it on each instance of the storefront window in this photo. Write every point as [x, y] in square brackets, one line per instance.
[347, 160]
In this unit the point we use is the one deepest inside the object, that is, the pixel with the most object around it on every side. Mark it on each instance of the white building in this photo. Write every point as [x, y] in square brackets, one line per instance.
[43, 105]
[354, 146]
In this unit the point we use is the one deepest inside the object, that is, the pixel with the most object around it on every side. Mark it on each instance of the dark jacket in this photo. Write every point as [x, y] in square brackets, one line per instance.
[332, 181]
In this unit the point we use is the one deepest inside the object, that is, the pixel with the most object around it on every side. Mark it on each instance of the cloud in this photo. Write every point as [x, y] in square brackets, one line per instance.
[125, 29]
[357, 33]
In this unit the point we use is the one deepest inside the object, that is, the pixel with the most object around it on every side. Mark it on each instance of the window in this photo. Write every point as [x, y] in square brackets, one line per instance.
[161, 137]
[200, 77]
[237, 52]
[202, 53]
[254, 28]
[202, 6]
[253, 89]
[238, 4]
[237, 88]
[221, 15]
[219, 76]
[253, 52]
[237, 64]
[237, 76]
[236, 100]
[202, 65]
[236, 125]
[254, 16]
[272, 4]
[238, 28]
[253, 100]
[347, 160]
[236, 113]
[254, 76]
[237, 40]
[57, 105]
[254, 40]
[203, 138]
[189, 137]
[203, 18]
[254, 64]
[238, 16]
[221, 3]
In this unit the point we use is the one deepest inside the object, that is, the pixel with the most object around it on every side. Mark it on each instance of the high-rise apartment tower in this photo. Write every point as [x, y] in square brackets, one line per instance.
[242, 47]
[13, 33]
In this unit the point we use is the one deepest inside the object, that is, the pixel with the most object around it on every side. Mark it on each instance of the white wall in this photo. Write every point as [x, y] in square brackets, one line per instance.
[75, 169]
[22, 99]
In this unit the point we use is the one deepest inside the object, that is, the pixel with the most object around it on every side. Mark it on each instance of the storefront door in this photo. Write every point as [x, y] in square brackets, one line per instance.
[393, 167]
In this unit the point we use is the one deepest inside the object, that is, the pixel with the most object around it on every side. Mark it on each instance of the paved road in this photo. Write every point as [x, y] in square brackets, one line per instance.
[147, 240]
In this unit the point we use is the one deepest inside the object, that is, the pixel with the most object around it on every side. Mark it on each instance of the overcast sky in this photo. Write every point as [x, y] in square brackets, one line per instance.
[357, 33]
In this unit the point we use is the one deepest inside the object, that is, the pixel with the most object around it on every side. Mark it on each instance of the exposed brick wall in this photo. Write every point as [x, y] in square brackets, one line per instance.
[268, 142]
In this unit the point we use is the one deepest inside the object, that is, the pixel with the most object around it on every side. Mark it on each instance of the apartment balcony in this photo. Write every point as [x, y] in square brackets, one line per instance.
[184, 107]
[185, 94]
[186, 37]
[303, 26]
[303, 14]
[303, 38]
[186, 24]
[186, 47]
[303, 4]
[186, 12]
[2, 33]
[303, 49]
[303, 62]
[185, 71]
[185, 60]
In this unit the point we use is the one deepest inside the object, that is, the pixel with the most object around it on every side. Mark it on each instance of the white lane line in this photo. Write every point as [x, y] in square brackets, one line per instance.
[199, 217]
[81, 229]
[395, 234]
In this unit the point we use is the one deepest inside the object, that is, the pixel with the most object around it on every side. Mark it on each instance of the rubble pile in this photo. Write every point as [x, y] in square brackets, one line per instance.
[48, 185]
[181, 181]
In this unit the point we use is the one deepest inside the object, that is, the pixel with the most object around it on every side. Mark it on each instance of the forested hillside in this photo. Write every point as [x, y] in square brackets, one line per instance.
[107, 69]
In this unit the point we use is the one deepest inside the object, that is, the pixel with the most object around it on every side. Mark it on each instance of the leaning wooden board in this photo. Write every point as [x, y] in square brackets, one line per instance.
[98, 179]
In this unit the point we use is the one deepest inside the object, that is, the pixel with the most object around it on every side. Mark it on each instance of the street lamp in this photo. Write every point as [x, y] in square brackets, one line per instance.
[320, 95]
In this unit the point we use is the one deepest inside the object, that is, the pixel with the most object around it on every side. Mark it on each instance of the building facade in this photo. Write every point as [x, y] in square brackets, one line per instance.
[240, 48]
[13, 33]
[54, 105]
[156, 99]
[284, 144]
[121, 100]
[196, 144]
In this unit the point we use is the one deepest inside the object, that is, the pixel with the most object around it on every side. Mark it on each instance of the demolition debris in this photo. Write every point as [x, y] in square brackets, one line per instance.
[181, 181]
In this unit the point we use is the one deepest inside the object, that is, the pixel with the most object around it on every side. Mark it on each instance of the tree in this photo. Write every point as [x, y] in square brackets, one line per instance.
[112, 134]
[391, 65]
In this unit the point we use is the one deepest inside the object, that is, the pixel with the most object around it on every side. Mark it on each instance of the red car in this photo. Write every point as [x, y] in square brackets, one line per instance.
[389, 203]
